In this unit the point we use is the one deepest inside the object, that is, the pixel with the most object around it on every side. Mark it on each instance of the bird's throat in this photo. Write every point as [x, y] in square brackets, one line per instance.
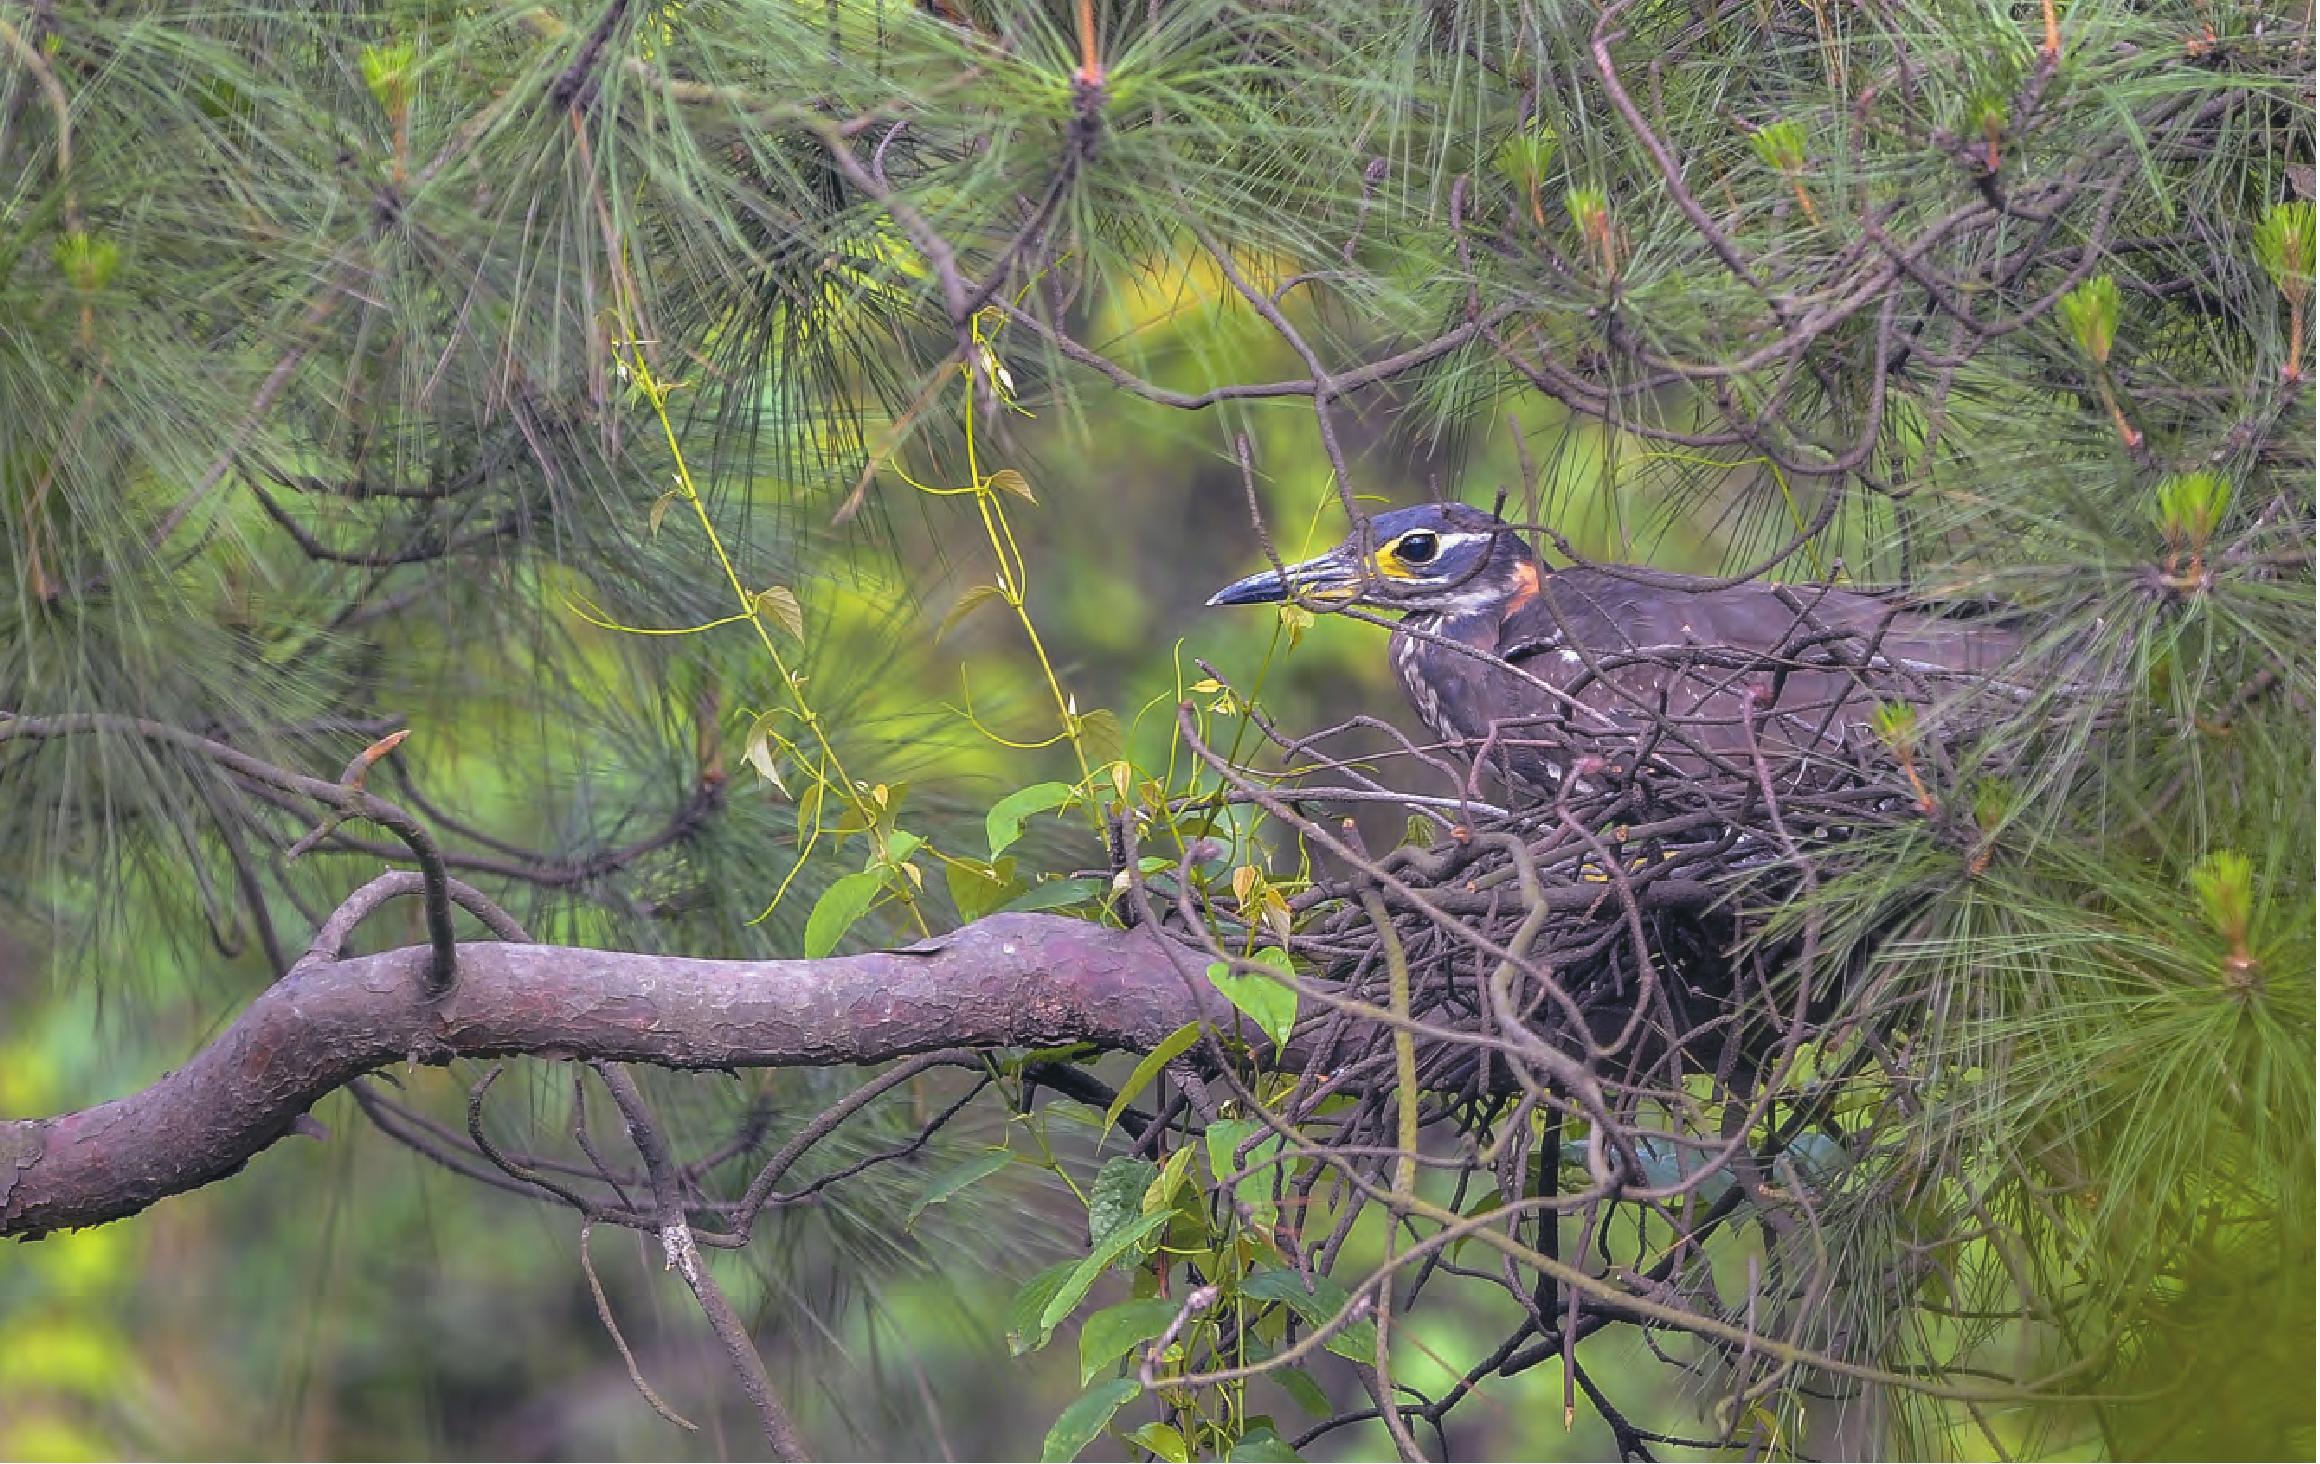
[1477, 628]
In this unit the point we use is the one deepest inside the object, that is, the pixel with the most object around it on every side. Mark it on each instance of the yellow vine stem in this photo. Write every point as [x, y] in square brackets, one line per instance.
[831, 770]
[1012, 569]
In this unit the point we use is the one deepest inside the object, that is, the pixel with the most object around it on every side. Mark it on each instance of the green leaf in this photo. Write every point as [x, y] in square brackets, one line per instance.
[1271, 1004]
[1262, 1446]
[1025, 1331]
[1086, 1417]
[1068, 1052]
[780, 606]
[966, 605]
[1255, 1188]
[1162, 1192]
[1117, 1197]
[757, 751]
[1057, 894]
[1084, 1273]
[1004, 823]
[1160, 1439]
[1102, 737]
[1171, 1047]
[1007, 480]
[846, 901]
[1356, 1341]
[1223, 1138]
[978, 888]
[952, 1181]
[1299, 1385]
[1109, 1335]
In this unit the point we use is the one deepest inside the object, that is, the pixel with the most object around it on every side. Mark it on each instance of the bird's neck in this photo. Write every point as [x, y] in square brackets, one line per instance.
[1479, 624]
[1477, 628]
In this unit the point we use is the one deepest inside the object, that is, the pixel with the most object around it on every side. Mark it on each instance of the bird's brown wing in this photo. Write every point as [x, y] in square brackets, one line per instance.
[1710, 676]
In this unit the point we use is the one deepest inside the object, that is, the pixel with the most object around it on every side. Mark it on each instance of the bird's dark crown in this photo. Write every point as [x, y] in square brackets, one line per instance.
[1447, 558]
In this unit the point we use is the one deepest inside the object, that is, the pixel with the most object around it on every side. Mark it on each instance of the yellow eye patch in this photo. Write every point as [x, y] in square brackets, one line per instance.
[1390, 566]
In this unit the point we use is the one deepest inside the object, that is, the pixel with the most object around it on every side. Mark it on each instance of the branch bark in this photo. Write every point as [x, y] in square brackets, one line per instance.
[1007, 981]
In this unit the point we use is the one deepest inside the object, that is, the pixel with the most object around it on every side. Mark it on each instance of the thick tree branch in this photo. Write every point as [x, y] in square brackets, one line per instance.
[1006, 981]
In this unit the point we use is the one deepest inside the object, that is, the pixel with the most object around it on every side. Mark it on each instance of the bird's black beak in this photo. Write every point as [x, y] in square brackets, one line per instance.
[1333, 577]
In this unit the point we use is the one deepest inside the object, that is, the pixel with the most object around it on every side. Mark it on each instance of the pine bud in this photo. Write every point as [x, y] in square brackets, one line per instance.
[1995, 800]
[1589, 210]
[2224, 881]
[2190, 507]
[2284, 248]
[2092, 313]
[386, 70]
[1895, 724]
[1524, 158]
[87, 260]
[1986, 114]
[1780, 146]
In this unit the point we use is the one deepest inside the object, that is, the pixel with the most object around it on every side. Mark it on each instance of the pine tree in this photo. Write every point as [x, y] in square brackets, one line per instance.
[484, 438]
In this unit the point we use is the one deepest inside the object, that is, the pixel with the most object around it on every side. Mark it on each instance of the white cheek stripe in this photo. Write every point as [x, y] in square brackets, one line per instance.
[1473, 602]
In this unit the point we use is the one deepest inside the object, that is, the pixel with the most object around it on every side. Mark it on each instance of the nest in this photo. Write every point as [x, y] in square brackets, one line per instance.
[1622, 992]
[1637, 921]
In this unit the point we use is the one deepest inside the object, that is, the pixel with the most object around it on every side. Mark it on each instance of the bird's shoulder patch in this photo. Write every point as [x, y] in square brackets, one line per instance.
[1524, 592]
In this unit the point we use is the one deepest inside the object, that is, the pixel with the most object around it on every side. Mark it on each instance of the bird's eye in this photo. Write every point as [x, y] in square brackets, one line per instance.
[1416, 548]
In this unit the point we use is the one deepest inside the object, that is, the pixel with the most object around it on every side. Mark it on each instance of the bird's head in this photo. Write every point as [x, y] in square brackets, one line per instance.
[1442, 557]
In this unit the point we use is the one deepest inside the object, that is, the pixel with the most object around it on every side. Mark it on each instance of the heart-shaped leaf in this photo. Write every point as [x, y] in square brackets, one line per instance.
[781, 607]
[1356, 1340]
[1117, 1196]
[846, 901]
[965, 607]
[1004, 823]
[1270, 1003]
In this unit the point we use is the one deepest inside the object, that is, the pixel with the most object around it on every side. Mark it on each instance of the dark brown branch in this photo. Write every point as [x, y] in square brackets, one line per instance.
[346, 798]
[677, 1240]
[578, 76]
[419, 548]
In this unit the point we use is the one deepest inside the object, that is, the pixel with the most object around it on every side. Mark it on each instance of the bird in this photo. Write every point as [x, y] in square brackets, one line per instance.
[1593, 669]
